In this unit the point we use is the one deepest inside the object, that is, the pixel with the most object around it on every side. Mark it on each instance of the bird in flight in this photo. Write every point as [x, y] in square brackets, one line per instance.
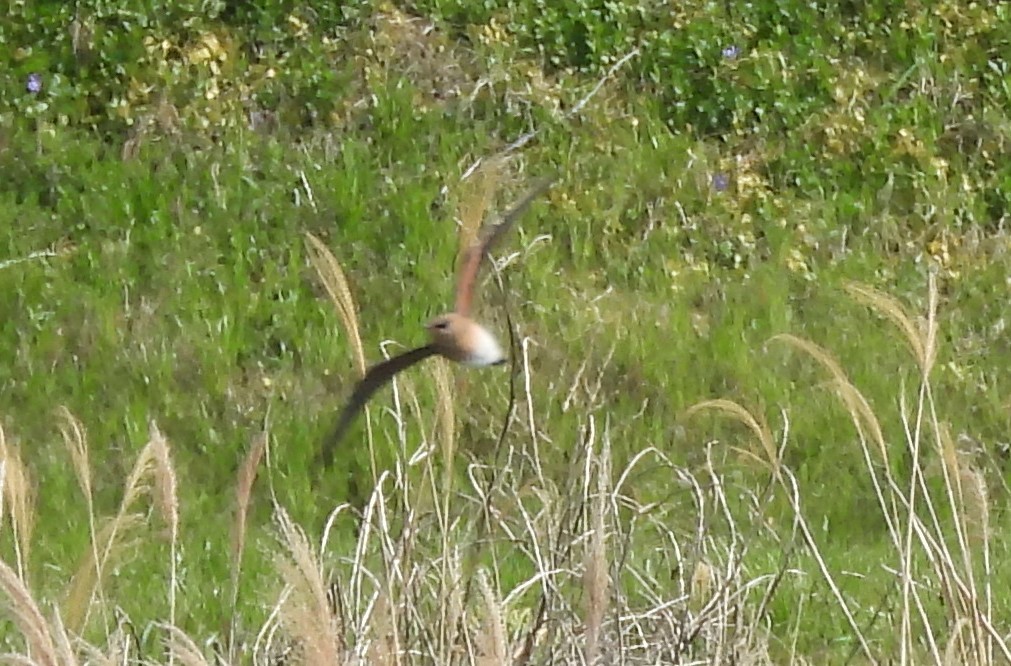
[454, 336]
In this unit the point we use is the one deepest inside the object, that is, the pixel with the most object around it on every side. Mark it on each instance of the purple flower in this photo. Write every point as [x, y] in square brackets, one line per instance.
[721, 182]
[731, 52]
[34, 83]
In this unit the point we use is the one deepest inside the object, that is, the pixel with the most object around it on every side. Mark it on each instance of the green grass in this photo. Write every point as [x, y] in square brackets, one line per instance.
[870, 152]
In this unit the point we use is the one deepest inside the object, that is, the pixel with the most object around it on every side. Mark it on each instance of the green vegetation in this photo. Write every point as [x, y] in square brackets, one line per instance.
[760, 400]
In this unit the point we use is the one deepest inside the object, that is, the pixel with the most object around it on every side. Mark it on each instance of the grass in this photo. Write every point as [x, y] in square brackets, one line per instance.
[757, 410]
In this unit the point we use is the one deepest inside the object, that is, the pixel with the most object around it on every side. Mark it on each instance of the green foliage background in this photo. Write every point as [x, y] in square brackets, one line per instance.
[178, 150]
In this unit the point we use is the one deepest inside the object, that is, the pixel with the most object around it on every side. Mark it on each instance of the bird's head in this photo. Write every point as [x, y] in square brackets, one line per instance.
[462, 339]
[445, 328]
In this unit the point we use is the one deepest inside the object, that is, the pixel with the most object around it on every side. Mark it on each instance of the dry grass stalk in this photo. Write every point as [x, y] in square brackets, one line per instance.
[953, 549]
[117, 650]
[955, 571]
[788, 482]
[452, 603]
[703, 582]
[337, 287]
[85, 584]
[595, 576]
[957, 650]
[183, 648]
[19, 495]
[306, 614]
[41, 648]
[383, 647]
[64, 649]
[243, 492]
[166, 500]
[921, 339]
[491, 642]
[389, 595]
[793, 489]
[863, 418]
[91, 574]
[855, 401]
[446, 414]
[75, 437]
[959, 572]
[474, 202]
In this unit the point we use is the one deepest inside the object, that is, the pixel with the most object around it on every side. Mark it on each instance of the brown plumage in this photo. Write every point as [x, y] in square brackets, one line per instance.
[455, 335]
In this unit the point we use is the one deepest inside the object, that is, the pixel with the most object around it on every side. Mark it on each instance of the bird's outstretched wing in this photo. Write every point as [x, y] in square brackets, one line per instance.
[376, 376]
[472, 260]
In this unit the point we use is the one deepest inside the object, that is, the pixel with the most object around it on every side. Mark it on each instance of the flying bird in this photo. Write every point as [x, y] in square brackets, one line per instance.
[454, 336]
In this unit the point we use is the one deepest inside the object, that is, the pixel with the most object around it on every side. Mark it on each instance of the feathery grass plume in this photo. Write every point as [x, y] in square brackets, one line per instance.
[383, 646]
[952, 472]
[115, 652]
[743, 416]
[491, 642]
[166, 500]
[979, 536]
[451, 603]
[137, 483]
[27, 617]
[183, 647]
[852, 398]
[165, 495]
[243, 491]
[20, 497]
[336, 284]
[921, 340]
[449, 583]
[595, 576]
[970, 512]
[967, 493]
[922, 343]
[475, 198]
[306, 614]
[85, 584]
[61, 639]
[76, 438]
[332, 275]
[976, 500]
[952, 561]
[701, 586]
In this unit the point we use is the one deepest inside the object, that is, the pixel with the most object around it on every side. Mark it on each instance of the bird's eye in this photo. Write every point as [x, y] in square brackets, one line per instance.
[442, 325]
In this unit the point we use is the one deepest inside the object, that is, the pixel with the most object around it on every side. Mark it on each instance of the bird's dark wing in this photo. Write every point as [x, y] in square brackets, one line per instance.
[376, 376]
[472, 260]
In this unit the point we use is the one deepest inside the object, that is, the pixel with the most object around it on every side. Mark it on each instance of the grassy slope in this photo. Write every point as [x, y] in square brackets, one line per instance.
[186, 296]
